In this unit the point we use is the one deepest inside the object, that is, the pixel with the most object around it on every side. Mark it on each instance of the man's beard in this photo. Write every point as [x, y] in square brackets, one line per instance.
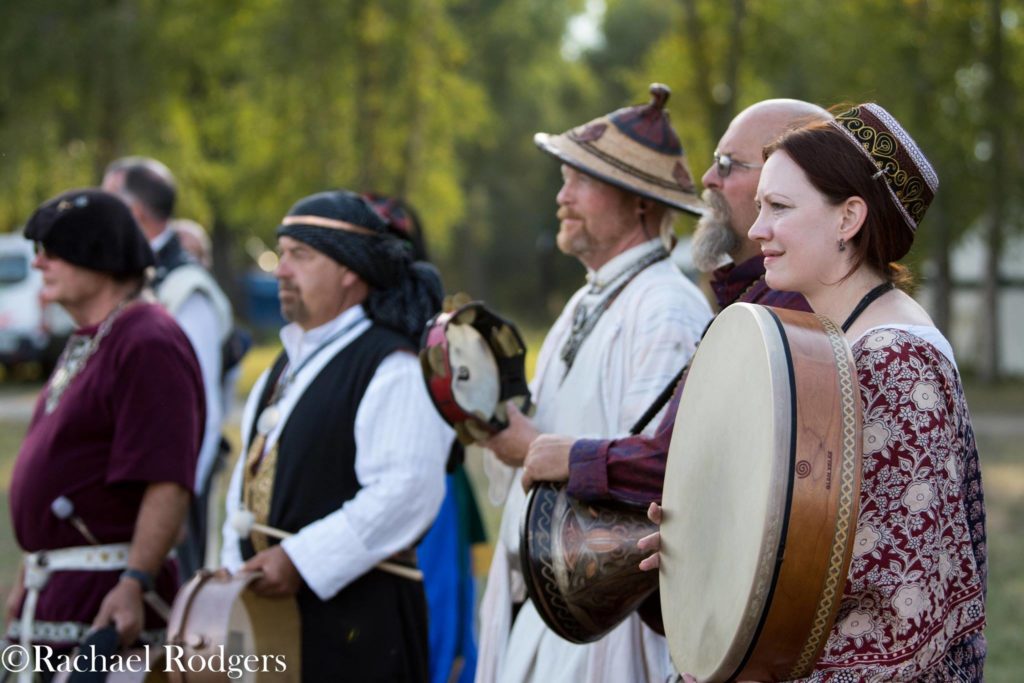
[295, 310]
[714, 238]
[576, 244]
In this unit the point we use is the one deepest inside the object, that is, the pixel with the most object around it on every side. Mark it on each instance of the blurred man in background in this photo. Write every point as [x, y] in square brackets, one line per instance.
[196, 302]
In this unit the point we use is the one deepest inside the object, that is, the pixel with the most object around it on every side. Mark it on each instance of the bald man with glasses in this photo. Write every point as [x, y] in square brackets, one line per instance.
[631, 470]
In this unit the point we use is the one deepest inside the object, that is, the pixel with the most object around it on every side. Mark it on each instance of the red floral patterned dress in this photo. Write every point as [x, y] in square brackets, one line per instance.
[914, 604]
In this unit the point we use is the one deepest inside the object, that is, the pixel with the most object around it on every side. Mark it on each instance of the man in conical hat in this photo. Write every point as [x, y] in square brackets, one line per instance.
[617, 343]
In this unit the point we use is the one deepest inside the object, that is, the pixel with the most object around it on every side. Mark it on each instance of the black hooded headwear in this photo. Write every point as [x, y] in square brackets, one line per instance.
[404, 294]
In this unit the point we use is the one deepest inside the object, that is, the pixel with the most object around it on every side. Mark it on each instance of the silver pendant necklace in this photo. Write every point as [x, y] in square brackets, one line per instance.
[270, 416]
[77, 352]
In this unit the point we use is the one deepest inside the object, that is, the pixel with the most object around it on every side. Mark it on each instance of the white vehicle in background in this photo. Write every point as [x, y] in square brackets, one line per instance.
[29, 331]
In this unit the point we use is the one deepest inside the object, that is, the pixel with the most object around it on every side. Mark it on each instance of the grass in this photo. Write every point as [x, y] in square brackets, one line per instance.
[11, 434]
[999, 420]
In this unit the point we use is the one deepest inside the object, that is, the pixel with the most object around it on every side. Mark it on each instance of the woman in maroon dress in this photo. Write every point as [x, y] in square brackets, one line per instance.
[839, 203]
[103, 477]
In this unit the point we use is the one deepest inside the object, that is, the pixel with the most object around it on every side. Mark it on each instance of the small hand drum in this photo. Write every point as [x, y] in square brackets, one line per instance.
[473, 361]
[212, 612]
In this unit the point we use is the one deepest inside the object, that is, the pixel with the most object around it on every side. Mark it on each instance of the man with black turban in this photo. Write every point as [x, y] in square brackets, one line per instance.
[343, 448]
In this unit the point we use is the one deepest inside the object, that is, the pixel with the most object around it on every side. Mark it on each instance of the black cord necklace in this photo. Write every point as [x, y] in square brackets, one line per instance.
[865, 302]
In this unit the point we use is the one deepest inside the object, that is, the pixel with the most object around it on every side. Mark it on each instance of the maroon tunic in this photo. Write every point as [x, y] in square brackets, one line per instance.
[131, 417]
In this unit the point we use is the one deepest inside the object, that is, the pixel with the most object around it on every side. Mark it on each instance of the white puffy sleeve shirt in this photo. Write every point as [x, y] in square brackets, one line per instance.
[402, 446]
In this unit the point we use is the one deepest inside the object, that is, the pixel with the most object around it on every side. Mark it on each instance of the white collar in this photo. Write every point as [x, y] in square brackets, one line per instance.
[618, 265]
[158, 242]
[299, 343]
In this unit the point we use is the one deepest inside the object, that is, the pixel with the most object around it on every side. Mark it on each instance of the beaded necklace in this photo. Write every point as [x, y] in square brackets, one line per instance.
[76, 354]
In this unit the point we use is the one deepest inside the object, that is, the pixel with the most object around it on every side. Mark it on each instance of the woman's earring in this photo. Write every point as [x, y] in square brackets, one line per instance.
[842, 245]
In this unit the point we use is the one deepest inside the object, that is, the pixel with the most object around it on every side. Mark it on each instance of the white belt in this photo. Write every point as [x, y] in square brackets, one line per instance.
[39, 566]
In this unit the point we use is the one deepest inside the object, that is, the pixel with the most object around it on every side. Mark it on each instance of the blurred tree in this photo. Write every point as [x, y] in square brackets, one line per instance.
[504, 250]
[255, 104]
[997, 99]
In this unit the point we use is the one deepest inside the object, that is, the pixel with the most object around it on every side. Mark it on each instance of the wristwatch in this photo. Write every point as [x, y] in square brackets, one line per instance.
[145, 579]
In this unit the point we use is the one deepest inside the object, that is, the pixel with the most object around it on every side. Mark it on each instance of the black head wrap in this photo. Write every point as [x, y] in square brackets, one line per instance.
[404, 294]
[92, 229]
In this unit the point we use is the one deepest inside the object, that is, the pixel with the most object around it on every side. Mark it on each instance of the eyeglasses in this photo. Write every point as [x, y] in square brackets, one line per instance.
[724, 163]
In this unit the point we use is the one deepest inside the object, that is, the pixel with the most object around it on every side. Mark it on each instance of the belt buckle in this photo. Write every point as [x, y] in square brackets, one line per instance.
[37, 572]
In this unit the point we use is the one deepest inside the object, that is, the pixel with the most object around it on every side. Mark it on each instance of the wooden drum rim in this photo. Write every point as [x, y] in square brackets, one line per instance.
[770, 616]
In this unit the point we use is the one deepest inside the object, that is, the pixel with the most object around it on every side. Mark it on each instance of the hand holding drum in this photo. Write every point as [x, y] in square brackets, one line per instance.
[473, 362]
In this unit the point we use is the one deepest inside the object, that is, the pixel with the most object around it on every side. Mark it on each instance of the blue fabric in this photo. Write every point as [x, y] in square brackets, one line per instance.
[444, 557]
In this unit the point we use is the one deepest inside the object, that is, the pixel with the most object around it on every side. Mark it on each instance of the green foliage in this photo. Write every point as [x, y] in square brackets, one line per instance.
[256, 104]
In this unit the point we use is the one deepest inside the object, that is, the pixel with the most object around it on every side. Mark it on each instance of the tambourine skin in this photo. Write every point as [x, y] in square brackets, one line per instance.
[761, 496]
[580, 563]
[507, 356]
[439, 385]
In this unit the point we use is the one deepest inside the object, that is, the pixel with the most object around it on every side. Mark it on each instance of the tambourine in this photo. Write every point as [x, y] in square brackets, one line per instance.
[474, 360]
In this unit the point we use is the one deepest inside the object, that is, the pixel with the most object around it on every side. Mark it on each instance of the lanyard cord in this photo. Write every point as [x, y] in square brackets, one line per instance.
[866, 301]
[289, 377]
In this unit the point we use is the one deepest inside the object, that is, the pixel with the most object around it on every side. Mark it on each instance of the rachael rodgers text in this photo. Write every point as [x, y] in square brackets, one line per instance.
[167, 658]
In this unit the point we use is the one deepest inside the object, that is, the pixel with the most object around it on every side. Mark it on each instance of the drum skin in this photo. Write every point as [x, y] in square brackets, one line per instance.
[761, 496]
[441, 376]
[473, 361]
[580, 562]
[211, 611]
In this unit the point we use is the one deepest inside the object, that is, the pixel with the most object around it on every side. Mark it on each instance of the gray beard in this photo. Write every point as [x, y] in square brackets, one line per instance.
[714, 238]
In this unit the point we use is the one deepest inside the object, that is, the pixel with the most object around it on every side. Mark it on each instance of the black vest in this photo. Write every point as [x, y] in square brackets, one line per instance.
[375, 629]
[168, 257]
[315, 472]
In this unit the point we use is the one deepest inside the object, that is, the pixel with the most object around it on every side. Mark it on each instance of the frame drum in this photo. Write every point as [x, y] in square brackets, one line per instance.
[761, 496]
[212, 612]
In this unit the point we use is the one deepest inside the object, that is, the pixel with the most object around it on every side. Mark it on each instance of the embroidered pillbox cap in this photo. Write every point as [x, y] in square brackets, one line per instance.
[908, 175]
[92, 229]
[634, 148]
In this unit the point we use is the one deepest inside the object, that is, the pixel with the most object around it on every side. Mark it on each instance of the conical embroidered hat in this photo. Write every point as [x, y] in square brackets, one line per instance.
[634, 148]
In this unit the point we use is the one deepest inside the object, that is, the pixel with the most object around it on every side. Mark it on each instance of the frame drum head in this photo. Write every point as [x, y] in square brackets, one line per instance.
[761, 496]
[722, 472]
[476, 384]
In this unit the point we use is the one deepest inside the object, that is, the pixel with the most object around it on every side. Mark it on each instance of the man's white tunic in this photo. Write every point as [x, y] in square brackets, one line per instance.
[640, 342]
